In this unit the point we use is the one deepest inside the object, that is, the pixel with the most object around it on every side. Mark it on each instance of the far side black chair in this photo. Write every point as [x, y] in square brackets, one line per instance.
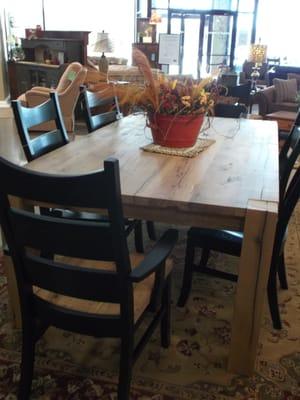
[94, 287]
[230, 110]
[230, 242]
[99, 108]
[242, 92]
[93, 103]
[27, 118]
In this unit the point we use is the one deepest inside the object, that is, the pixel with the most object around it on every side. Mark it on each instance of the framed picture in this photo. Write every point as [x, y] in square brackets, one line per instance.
[146, 32]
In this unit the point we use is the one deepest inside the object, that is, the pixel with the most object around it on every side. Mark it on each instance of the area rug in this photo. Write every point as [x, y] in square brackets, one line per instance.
[70, 366]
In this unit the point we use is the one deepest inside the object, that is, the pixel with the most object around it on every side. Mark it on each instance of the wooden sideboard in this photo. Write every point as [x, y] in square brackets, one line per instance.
[46, 58]
[150, 50]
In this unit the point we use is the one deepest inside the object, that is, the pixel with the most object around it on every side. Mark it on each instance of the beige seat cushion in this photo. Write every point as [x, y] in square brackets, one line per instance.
[142, 290]
[285, 90]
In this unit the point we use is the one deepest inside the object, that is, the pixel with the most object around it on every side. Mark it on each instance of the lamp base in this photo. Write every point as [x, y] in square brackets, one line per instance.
[103, 64]
[255, 75]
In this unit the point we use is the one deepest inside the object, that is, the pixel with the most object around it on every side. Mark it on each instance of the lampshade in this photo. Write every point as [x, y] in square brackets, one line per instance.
[103, 43]
[258, 53]
[155, 18]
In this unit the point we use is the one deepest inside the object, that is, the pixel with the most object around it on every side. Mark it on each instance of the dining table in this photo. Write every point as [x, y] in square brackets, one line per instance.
[233, 184]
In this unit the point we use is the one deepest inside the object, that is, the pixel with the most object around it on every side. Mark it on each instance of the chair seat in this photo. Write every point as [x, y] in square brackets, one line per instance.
[142, 290]
[229, 242]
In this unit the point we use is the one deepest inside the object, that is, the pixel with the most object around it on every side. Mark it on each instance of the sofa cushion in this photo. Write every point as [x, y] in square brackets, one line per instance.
[295, 76]
[285, 90]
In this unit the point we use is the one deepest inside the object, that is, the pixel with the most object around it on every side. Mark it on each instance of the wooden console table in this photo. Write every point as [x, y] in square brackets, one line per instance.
[285, 119]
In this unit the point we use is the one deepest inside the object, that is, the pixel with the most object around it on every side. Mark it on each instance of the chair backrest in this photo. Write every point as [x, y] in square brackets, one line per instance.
[99, 108]
[230, 110]
[73, 75]
[241, 91]
[288, 156]
[31, 236]
[27, 118]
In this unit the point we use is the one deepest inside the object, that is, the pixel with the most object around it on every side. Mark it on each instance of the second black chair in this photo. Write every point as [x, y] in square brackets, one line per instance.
[230, 110]
[102, 108]
[99, 108]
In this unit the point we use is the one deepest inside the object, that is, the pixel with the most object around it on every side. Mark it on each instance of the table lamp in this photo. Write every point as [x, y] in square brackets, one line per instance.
[258, 54]
[103, 44]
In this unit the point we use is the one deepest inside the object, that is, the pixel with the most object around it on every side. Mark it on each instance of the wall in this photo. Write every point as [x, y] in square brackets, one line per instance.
[5, 110]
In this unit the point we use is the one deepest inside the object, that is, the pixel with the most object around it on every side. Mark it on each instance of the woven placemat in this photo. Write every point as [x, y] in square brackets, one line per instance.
[199, 146]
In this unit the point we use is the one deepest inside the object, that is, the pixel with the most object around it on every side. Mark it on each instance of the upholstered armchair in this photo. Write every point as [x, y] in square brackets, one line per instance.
[68, 93]
[279, 97]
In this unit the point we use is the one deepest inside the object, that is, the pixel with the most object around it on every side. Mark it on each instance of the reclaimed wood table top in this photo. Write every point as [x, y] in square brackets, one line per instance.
[242, 164]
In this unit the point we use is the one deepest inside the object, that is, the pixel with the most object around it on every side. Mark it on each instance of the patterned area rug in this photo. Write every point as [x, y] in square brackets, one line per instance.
[70, 366]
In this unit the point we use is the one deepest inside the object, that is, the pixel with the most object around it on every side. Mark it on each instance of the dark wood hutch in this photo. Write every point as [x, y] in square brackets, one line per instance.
[46, 58]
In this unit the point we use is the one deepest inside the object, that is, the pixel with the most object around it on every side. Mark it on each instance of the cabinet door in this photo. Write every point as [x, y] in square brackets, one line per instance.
[151, 51]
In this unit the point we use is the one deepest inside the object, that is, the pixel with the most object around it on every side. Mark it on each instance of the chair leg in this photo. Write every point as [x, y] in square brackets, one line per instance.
[138, 237]
[187, 275]
[273, 299]
[165, 326]
[282, 272]
[27, 364]
[126, 364]
[151, 230]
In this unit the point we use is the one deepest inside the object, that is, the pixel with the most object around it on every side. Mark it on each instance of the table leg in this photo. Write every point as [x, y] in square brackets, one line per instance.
[259, 231]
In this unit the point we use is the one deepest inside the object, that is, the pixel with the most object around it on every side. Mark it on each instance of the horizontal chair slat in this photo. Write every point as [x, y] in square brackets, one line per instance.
[59, 189]
[63, 236]
[46, 142]
[104, 119]
[87, 283]
[74, 321]
[42, 113]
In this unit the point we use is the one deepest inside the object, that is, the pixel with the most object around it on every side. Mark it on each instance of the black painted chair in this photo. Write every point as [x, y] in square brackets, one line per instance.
[100, 109]
[230, 242]
[92, 286]
[38, 144]
[230, 110]
[242, 92]
[35, 146]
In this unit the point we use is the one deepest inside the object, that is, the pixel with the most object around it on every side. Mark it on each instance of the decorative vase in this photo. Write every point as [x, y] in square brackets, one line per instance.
[175, 130]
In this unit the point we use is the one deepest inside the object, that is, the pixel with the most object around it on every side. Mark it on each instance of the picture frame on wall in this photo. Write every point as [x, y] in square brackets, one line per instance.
[146, 32]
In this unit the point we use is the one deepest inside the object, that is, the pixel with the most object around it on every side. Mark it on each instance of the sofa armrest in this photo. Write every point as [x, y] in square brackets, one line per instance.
[265, 98]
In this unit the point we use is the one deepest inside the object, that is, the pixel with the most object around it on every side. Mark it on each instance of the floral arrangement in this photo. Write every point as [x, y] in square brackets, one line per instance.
[165, 96]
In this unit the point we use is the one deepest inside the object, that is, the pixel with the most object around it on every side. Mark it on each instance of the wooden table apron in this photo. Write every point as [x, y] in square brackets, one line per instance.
[233, 184]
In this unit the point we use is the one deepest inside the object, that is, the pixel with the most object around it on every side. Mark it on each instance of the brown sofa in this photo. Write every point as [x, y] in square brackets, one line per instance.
[267, 102]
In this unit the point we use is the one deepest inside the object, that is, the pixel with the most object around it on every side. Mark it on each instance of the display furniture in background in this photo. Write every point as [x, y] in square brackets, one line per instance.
[103, 45]
[282, 71]
[247, 69]
[46, 59]
[279, 97]
[258, 55]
